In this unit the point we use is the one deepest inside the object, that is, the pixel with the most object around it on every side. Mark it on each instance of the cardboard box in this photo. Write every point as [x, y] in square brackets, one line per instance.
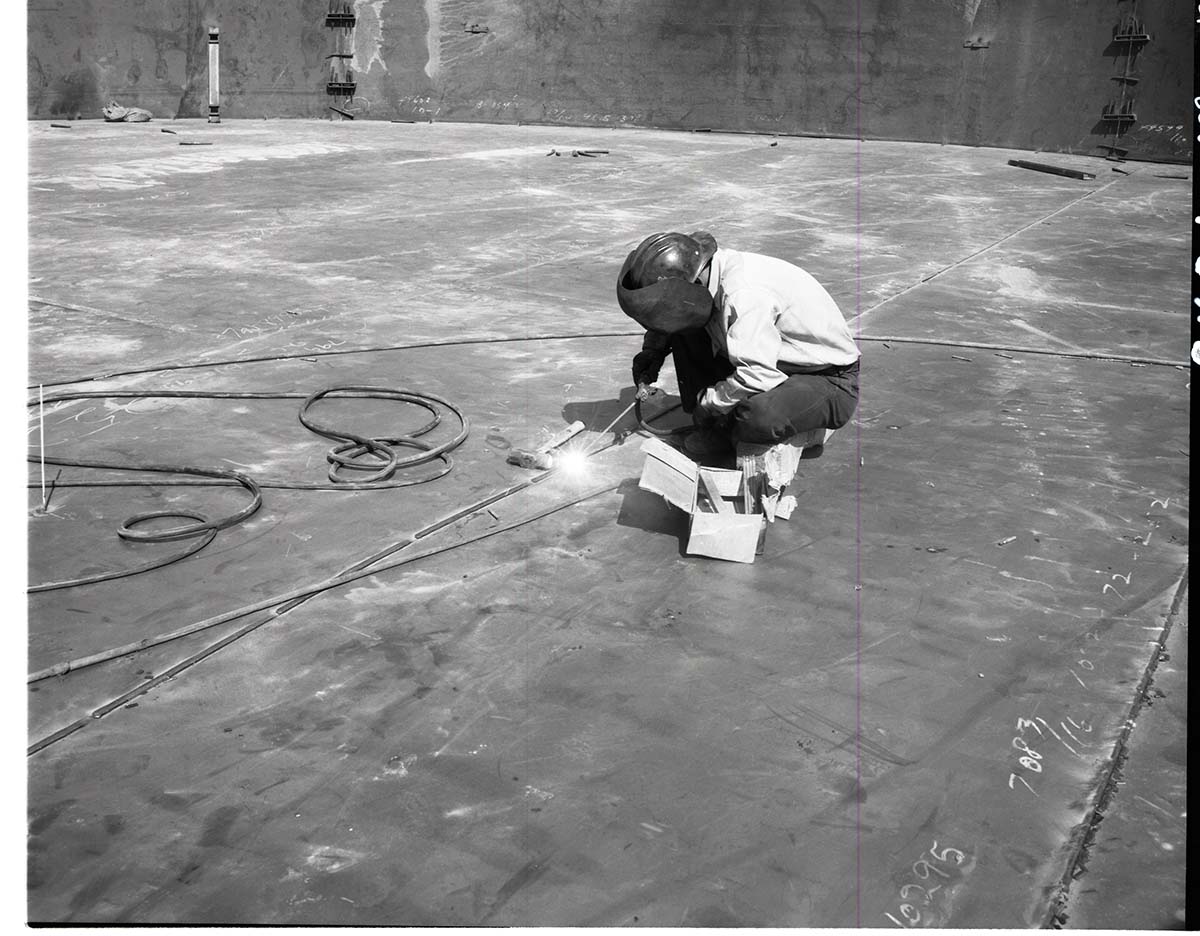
[712, 498]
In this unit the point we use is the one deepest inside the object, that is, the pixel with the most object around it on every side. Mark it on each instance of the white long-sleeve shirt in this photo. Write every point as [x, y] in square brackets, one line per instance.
[769, 311]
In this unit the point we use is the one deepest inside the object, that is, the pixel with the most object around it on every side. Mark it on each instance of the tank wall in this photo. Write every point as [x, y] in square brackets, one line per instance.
[1031, 75]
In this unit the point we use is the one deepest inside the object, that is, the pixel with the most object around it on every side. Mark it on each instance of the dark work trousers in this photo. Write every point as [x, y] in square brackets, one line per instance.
[810, 398]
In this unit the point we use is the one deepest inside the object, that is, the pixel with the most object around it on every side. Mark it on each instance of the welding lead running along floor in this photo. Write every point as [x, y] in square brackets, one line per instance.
[902, 713]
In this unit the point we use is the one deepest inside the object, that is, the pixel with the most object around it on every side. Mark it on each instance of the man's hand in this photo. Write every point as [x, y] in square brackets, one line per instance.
[646, 365]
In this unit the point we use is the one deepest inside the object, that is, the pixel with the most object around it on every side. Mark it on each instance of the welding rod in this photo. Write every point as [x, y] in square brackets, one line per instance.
[542, 457]
[568, 433]
[620, 415]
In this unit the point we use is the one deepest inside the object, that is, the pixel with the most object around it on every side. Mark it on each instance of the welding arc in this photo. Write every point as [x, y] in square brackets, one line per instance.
[341, 457]
[283, 603]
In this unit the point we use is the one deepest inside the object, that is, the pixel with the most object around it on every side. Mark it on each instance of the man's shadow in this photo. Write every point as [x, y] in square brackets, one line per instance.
[661, 414]
[642, 510]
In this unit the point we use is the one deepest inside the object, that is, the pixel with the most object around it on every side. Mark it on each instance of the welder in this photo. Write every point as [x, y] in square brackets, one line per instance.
[761, 350]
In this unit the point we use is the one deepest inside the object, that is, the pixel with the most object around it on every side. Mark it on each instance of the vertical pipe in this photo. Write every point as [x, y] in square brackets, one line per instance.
[214, 78]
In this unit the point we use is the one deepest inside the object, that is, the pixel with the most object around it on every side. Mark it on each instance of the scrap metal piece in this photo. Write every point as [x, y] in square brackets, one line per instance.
[542, 461]
[1054, 170]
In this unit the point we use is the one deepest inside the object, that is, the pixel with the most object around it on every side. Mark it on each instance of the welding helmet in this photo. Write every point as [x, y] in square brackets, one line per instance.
[657, 285]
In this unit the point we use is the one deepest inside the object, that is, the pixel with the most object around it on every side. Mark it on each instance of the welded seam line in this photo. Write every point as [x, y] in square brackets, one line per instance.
[121, 317]
[872, 748]
[1022, 349]
[1083, 835]
[983, 250]
[287, 600]
[60, 669]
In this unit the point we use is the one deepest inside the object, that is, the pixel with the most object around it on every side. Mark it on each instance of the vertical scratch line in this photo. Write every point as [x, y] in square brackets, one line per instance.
[858, 316]
[42, 439]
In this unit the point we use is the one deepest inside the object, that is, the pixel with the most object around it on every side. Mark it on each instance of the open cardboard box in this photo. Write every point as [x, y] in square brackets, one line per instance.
[712, 497]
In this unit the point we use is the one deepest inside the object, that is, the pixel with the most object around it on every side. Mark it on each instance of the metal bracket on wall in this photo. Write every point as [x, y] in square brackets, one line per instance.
[1131, 30]
[1118, 115]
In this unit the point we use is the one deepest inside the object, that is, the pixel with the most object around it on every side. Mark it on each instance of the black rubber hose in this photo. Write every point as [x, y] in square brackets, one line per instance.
[342, 456]
[137, 570]
[352, 446]
[661, 433]
[306, 355]
[202, 527]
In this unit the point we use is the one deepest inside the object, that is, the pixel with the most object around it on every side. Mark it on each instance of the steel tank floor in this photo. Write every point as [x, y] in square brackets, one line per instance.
[529, 706]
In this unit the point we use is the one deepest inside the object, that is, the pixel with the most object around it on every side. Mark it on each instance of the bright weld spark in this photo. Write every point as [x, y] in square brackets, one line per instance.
[573, 461]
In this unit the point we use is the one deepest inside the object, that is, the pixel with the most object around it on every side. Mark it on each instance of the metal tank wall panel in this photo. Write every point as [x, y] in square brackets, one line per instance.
[1034, 75]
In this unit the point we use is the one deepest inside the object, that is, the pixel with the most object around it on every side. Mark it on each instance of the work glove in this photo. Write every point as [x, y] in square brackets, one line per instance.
[646, 365]
[649, 361]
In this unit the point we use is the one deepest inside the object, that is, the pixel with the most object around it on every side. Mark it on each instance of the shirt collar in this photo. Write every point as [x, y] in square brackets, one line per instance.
[716, 265]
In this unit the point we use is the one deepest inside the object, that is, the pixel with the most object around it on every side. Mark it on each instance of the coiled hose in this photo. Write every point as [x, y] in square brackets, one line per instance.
[383, 462]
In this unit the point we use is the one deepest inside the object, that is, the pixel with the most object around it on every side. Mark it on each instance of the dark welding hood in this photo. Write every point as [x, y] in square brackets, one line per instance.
[669, 305]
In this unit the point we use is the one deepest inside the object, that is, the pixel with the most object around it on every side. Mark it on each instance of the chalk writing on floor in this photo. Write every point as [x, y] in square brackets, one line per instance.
[925, 900]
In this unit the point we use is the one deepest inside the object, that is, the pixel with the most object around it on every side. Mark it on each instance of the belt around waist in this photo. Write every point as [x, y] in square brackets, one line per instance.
[822, 370]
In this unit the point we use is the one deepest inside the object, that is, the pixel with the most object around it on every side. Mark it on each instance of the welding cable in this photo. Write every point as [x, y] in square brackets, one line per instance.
[311, 355]
[201, 525]
[341, 456]
[289, 600]
[353, 447]
[137, 570]
[335, 454]
[661, 433]
[460, 342]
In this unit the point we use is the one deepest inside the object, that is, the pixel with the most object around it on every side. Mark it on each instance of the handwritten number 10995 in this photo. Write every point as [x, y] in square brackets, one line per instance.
[933, 878]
